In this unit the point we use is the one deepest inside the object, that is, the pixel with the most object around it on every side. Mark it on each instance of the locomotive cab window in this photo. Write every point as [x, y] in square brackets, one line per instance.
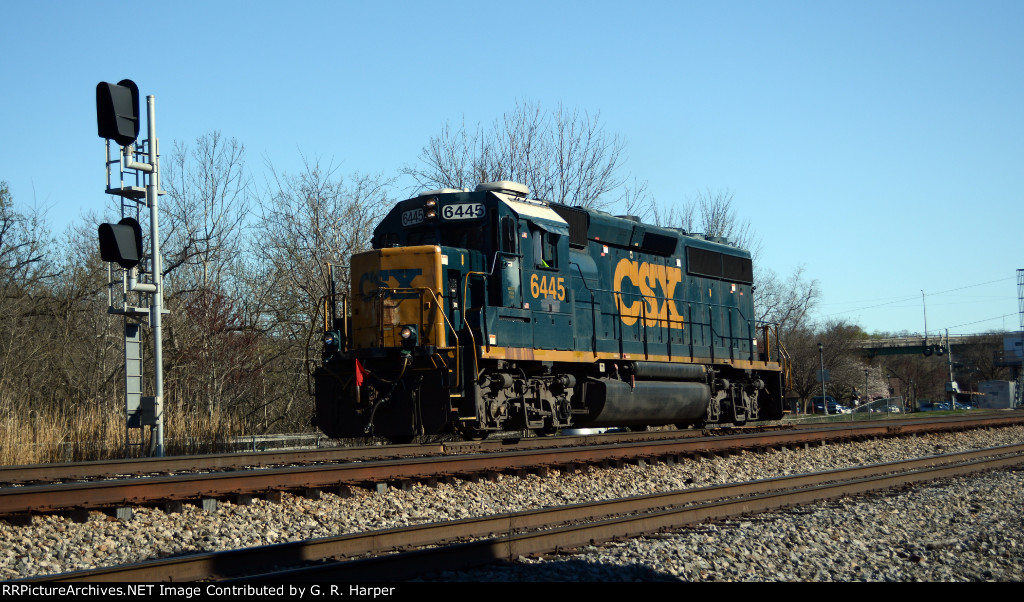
[545, 248]
[471, 237]
[509, 234]
[422, 237]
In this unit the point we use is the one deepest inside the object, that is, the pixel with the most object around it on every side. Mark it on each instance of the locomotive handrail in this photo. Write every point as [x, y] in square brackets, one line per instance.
[482, 311]
[643, 319]
[325, 299]
[494, 263]
[330, 313]
[731, 338]
[438, 304]
[783, 354]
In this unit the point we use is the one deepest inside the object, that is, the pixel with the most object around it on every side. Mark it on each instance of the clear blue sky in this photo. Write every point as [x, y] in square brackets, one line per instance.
[878, 144]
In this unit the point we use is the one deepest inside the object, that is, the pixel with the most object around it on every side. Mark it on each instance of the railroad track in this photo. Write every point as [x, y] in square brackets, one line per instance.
[310, 479]
[109, 469]
[106, 469]
[426, 548]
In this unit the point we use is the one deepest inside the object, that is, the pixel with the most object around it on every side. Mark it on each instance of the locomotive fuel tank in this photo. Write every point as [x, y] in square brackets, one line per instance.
[617, 403]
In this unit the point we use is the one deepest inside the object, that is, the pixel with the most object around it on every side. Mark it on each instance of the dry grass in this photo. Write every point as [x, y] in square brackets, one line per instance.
[31, 438]
[198, 431]
[95, 433]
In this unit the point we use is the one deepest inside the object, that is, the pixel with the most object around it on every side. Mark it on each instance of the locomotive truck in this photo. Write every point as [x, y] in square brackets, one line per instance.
[485, 310]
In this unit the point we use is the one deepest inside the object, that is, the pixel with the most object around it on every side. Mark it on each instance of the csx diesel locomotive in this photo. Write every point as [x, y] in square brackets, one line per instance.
[486, 311]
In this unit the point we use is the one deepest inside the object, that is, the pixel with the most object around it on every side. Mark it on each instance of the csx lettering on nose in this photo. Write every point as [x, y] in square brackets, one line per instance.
[383, 279]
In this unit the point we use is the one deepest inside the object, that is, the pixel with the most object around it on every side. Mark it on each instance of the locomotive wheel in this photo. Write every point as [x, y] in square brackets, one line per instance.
[546, 431]
[475, 435]
[472, 434]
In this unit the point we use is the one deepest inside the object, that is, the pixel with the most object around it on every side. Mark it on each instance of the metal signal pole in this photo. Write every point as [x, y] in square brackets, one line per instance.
[157, 304]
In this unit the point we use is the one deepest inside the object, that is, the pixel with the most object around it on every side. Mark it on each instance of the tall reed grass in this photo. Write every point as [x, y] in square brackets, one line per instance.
[97, 433]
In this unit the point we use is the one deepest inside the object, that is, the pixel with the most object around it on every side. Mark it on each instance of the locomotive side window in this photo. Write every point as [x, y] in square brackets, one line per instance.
[550, 248]
[509, 234]
[545, 248]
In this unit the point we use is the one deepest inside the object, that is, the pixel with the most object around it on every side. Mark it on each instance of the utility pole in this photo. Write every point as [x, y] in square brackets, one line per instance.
[821, 358]
[952, 383]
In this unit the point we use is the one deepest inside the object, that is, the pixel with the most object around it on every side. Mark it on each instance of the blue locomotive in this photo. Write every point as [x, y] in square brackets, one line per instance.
[486, 311]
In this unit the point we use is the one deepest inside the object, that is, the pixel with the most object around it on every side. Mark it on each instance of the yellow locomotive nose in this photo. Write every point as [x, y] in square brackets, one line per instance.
[396, 298]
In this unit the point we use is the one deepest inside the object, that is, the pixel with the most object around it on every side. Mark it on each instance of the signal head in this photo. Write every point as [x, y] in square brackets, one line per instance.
[117, 111]
[121, 242]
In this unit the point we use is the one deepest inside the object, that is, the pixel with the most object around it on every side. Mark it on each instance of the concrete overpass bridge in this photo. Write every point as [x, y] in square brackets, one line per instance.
[915, 344]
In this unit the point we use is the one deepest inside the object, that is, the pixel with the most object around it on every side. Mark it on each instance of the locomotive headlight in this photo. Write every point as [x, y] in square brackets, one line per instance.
[430, 214]
[431, 203]
[408, 334]
[332, 342]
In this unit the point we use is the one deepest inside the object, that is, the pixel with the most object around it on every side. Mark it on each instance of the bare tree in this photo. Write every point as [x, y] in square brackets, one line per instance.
[26, 273]
[23, 241]
[87, 364]
[565, 156]
[711, 214]
[207, 207]
[837, 353]
[316, 219]
[919, 377]
[787, 303]
[203, 225]
[307, 222]
[977, 362]
[672, 216]
[636, 201]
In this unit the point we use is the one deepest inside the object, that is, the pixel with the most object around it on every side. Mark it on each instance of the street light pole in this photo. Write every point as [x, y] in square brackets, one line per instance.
[867, 398]
[821, 358]
[924, 307]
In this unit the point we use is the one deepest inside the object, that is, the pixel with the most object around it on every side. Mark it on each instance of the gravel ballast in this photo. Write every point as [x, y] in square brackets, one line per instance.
[968, 528]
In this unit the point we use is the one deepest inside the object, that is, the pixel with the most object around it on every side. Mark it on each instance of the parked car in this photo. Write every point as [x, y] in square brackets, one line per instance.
[944, 405]
[834, 407]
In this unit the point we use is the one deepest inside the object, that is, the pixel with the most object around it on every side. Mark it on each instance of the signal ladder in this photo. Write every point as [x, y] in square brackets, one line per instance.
[140, 410]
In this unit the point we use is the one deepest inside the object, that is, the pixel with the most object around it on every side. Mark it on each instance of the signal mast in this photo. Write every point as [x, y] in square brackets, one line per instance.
[141, 289]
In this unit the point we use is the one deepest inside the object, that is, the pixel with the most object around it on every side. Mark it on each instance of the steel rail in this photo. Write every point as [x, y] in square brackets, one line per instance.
[542, 531]
[68, 471]
[63, 471]
[509, 547]
[120, 492]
